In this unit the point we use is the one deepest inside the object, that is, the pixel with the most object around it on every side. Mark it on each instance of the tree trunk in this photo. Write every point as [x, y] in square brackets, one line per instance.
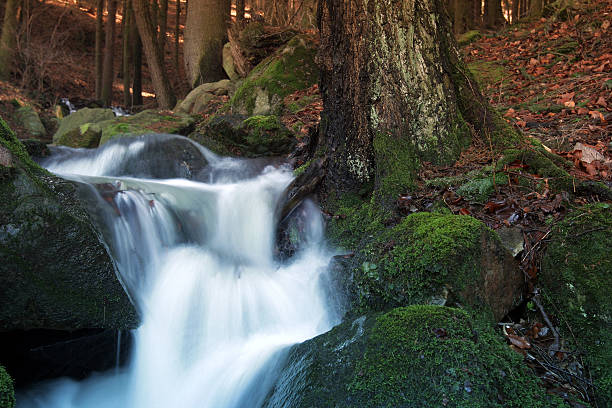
[128, 22]
[205, 32]
[395, 93]
[108, 72]
[515, 9]
[461, 12]
[98, 55]
[164, 93]
[493, 15]
[240, 11]
[177, 33]
[163, 25]
[8, 38]
[536, 7]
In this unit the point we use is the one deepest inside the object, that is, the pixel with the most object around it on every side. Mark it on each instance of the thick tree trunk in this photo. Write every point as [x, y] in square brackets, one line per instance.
[148, 35]
[205, 32]
[163, 25]
[493, 16]
[108, 72]
[8, 38]
[395, 93]
[126, 63]
[536, 8]
[98, 55]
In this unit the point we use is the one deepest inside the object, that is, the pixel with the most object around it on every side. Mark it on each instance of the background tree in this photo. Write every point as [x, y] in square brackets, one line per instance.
[395, 93]
[148, 34]
[205, 33]
[108, 72]
[8, 38]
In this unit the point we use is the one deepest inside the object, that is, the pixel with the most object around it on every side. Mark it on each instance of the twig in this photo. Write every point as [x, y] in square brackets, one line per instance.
[536, 300]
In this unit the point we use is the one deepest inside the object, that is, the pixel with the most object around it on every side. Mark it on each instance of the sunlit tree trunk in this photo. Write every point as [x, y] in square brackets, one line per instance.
[108, 72]
[395, 93]
[148, 34]
[205, 32]
[8, 38]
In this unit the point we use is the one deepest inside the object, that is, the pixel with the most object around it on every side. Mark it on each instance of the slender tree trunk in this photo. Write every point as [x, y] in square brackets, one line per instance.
[395, 93]
[177, 33]
[8, 38]
[461, 9]
[493, 15]
[515, 9]
[164, 93]
[137, 60]
[128, 22]
[108, 72]
[240, 11]
[163, 25]
[205, 32]
[98, 54]
[536, 8]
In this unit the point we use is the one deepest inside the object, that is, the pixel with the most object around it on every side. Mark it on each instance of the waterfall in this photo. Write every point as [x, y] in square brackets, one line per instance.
[196, 256]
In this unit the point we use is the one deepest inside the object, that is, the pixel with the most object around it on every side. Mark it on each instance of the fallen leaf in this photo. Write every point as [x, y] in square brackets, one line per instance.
[597, 115]
[464, 211]
[520, 342]
[601, 101]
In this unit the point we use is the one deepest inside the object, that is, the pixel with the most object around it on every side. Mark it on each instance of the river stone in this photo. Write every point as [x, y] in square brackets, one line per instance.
[69, 132]
[228, 62]
[55, 272]
[28, 118]
[148, 121]
[416, 356]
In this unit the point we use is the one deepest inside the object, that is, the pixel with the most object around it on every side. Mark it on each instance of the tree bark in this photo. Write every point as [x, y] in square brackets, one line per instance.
[536, 8]
[177, 33]
[493, 16]
[515, 10]
[240, 11]
[205, 32]
[148, 34]
[108, 72]
[163, 25]
[128, 22]
[8, 38]
[395, 93]
[98, 55]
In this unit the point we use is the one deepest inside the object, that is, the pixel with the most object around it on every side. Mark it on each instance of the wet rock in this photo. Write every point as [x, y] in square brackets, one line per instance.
[55, 272]
[28, 118]
[36, 148]
[73, 129]
[148, 121]
[512, 239]
[416, 356]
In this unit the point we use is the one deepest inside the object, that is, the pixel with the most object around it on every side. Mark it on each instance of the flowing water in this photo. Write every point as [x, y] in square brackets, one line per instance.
[197, 259]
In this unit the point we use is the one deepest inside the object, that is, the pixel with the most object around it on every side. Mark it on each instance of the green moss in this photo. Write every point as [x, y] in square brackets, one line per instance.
[479, 190]
[437, 356]
[288, 70]
[468, 37]
[7, 392]
[148, 121]
[543, 164]
[487, 72]
[577, 282]
[300, 170]
[260, 122]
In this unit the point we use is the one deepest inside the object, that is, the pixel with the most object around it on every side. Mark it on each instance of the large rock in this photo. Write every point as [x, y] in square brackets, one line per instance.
[248, 137]
[28, 118]
[289, 69]
[228, 62]
[148, 121]
[576, 279]
[73, 129]
[426, 258]
[7, 392]
[199, 97]
[55, 273]
[417, 356]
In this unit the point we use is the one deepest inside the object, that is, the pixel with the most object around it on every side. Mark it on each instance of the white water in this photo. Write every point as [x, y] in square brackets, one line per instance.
[197, 260]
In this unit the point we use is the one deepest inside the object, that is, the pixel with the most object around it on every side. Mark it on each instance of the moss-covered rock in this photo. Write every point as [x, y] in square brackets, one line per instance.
[69, 132]
[426, 258]
[249, 137]
[417, 356]
[55, 273]
[290, 68]
[199, 97]
[148, 121]
[576, 280]
[7, 391]
[28, 118]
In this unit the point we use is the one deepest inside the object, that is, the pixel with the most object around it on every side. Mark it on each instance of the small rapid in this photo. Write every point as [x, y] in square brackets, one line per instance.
[192, 235]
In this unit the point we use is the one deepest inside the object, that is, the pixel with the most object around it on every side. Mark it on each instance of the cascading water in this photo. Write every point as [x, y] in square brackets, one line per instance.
[196, 257]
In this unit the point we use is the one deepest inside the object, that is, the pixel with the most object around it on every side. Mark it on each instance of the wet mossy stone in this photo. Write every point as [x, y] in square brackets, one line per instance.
[254, 136]
[28, 118]
[416, 356]
[148, 121]
[7, 391]
[426, 258]
[576, 279]
[291, 68]
[69, 132]
[55, 272]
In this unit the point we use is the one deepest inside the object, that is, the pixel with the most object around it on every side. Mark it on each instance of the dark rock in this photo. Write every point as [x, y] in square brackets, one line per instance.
[36, 148]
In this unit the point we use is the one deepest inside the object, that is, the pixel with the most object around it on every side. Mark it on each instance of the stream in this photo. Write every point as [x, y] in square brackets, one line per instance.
[194, 246]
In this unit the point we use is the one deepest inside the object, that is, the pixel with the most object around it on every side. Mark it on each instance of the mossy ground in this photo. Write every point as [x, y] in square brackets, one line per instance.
[577, 281]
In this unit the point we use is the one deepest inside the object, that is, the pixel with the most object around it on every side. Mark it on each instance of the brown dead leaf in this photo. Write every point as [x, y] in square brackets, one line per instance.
[601, 101]
[597, 115]
[519, 341]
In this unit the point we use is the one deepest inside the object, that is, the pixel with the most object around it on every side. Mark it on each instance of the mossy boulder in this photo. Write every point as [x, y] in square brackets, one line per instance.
[199, 97]
[291, 68]
[254, 136]
[576, 279]
[28, 118]
[426, 258]
[7, 391]
[55, 272]
[416, 356]
[148, 121]
[70, 132]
